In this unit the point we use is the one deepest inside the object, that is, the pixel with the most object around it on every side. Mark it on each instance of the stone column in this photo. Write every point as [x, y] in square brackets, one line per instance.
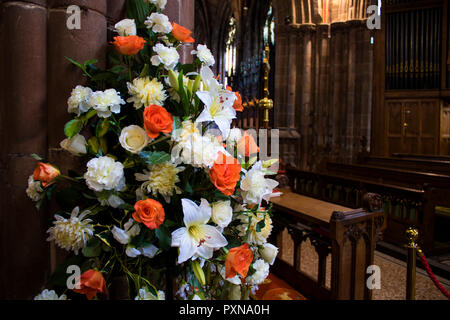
[183, 13]
[23, 130]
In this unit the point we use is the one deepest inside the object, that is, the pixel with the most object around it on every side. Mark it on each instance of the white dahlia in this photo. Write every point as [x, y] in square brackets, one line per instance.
[73, 233]
[78, 101]
[261, 272]
[104, 174]
[250, 221]
[144, 92]
[161, 178]
[169, 57]
[34, 190]
[50, 295]
[158, 23]
[106, 102]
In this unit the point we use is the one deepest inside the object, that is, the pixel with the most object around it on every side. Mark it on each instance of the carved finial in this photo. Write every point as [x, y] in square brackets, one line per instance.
[412, 234]
[372, 202]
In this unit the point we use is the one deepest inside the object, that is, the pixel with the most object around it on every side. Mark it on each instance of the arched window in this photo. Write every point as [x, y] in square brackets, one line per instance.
[269, 29]
[230, 53]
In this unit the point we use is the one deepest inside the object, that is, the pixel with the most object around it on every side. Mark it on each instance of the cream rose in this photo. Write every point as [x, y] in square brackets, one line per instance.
[75, 145]
[104, 174]
[268, 252]
[222, 213]
[169, 57]
[204, 54]
[133, 139]
[126, 27]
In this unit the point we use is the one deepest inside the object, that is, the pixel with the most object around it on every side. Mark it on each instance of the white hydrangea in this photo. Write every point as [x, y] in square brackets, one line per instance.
[78, 101]
[49, 295]
[158, 23]
[106, 102]
[160, 4]
[104, 174]
[144, 294]
[204, 54]
[34, 190]
[126, 27]
[255, 187]
[261, 272]
[75, 145]
[145, 92]
[169, 57]
[73, 233]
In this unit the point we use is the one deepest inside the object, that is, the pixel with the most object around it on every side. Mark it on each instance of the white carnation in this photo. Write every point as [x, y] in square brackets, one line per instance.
[106, 102]
[50, 295]
[34, 190]
[204, 54]
[159, 23]
[144, 294]
[222, 213]
[133, 139]
[169, 57]
[73, 233]
[234, 136]
[261, 273]
[75, 145]
[104, 174]
[126, 27]
[78, 101]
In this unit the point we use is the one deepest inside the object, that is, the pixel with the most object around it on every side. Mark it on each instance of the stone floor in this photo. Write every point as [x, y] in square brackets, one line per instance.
[393, 273]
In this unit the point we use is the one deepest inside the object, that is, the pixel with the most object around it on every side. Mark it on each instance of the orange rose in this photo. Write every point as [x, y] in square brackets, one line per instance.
[225, 173]
[91, 283]
[238, 261]
[130, 45]
[238, 102]
[247, 145]
[45, 173]
[181, 33]
[156, 120]
[150, 212]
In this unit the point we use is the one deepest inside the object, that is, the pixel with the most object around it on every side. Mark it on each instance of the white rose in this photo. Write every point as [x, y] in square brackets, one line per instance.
[126, 27]
[75, 145]
[222, 213]
[104, 174]
[165, 55]
[133, 139]
[78, 101]
[159, 23]
[161, 4]
[268, 252]
[204, 54]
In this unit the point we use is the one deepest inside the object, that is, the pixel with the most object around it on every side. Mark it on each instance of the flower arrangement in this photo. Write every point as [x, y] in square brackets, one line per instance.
[168, 184]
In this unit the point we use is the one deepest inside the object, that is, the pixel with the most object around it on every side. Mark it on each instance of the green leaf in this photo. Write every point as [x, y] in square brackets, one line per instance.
[73, 127]
[104, 237]
[102, 128]
[85, 117]
[79, 65]
[145, 71]
[92, 61]
[94, 144]
[138, 10]
[260, 225]
[36, 157]
[93, 248]
[164, 237]
[152, 158]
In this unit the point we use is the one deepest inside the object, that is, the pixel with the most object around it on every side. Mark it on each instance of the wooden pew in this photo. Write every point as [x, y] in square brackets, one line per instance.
[348, 235]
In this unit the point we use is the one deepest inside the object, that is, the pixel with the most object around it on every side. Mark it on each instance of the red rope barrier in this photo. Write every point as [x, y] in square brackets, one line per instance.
[433, 277]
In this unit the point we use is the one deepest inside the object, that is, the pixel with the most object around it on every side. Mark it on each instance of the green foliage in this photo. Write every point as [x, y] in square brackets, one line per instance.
[164, 237]
[73, 127]
[83, 66]
[157, 157]
[138, 10]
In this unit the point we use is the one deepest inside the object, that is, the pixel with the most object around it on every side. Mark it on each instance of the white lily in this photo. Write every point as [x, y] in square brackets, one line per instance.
[197, 238]
[218, 108]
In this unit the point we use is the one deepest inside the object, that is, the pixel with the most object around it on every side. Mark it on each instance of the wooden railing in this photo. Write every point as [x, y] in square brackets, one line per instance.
[348, 235]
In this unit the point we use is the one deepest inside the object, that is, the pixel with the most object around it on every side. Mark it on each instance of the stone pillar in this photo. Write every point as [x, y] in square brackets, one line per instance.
[183, 13]
[23, 130]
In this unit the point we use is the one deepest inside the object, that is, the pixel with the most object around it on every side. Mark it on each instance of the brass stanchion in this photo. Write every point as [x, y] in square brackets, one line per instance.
[266, 104]
[412, 235]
